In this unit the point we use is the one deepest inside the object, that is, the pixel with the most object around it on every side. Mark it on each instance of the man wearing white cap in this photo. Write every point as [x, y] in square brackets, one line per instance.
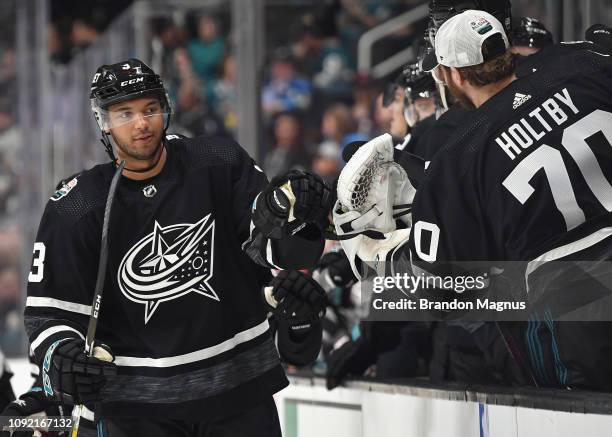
[471, 57]
[528, 177]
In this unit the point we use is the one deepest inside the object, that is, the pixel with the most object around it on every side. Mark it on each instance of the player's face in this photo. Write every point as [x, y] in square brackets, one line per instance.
[419, 109]
[455, 88]
[137, 128]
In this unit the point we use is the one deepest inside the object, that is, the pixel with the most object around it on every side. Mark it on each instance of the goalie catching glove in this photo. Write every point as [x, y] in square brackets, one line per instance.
[372, 216]
[73, 377]
[291, 202]
[298, 304]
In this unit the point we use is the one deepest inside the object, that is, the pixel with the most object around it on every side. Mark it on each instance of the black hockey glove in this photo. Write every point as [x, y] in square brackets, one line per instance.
[72, 377]
[338, 267]
[600, 35]
[352, 358]
[31, 403]
[298, 304]
[290, 202]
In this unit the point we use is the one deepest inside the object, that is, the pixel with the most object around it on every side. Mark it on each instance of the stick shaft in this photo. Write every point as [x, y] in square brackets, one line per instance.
[99, 288]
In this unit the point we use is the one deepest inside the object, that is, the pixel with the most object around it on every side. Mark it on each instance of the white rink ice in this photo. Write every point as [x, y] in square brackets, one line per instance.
[21, 379]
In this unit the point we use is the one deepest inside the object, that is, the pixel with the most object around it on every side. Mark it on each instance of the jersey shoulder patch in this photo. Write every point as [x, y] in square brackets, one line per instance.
[64, 189]
[171, 137]
[81, 193]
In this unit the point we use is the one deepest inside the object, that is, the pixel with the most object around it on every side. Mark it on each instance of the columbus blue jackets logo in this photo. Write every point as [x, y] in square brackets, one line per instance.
[169, 263]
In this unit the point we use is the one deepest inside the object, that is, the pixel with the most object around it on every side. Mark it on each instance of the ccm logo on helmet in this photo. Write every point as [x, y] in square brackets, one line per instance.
[132, 81]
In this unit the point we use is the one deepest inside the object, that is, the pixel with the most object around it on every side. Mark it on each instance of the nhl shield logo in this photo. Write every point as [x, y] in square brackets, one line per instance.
[169, 263]
[149, 191]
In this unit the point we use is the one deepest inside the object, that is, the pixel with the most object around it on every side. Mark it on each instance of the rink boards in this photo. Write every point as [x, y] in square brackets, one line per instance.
[308, 409]
[366, 409]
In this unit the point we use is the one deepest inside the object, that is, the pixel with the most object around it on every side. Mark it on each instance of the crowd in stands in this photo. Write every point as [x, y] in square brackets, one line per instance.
[313, 99]
[11, 324]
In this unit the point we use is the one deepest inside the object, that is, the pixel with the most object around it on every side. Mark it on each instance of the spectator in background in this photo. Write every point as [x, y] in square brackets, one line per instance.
[286, 90]
[326, 162]
[223, 94]
[324, 59]
[83, 33]
[192, 113]
[382, 116]
[364, 96]
[207, 51]
[288, 151]
[335, 77]
[58, 48]
[168, 37]
[336, 125]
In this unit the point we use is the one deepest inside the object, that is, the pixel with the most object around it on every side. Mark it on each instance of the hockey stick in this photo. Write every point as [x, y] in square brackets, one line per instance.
[100, 278]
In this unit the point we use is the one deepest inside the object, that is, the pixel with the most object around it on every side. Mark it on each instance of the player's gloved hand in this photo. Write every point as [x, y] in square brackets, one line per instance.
[290, 202]
[71, 376]
[32, 403]
[338, 267]
[352, 358]
[298, 303]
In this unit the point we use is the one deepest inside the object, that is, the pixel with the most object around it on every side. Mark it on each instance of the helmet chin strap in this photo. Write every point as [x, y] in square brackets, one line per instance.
[109, 150]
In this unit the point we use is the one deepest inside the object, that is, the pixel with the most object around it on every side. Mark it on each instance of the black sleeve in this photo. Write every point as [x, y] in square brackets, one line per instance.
[61, 280]
[448, 224]
[301, 250]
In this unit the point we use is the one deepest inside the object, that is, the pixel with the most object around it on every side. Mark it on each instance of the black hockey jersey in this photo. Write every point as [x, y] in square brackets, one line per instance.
[529, 178]
[181, 309]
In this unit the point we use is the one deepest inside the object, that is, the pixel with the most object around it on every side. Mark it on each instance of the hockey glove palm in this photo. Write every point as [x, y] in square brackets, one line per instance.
[338, 267]
[73, 377]
[290, 202]
[298, 304]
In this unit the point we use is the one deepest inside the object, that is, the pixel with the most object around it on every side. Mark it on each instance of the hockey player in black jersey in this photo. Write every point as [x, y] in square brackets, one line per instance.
[526, 178]
[182, 316]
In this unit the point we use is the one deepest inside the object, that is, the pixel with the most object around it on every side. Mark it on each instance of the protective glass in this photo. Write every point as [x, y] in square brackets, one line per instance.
[108, 119]
[115, 119]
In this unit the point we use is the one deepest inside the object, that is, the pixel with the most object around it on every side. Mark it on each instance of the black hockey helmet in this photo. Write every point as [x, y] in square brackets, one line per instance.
[529, 32]
[123, 81]
[417, 82]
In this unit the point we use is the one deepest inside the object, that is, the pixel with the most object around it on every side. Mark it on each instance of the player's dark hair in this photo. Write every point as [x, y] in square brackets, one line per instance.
[496, 68]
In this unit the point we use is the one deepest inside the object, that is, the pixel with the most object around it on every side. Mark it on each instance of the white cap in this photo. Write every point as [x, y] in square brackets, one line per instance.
[459, 40]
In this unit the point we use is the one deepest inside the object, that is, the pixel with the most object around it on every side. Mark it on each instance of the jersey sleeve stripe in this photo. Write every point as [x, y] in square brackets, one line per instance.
[87, 414]
[49, 302]
[202, 354]
[568, 249]
[43, 335]
[250, 238]
[270, 256]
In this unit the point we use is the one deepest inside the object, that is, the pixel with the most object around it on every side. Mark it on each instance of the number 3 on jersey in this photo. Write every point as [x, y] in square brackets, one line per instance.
[550, 160]
[38, 263]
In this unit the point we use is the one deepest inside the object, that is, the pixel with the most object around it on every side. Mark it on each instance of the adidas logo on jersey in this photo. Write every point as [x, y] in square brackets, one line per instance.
[519, 99]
